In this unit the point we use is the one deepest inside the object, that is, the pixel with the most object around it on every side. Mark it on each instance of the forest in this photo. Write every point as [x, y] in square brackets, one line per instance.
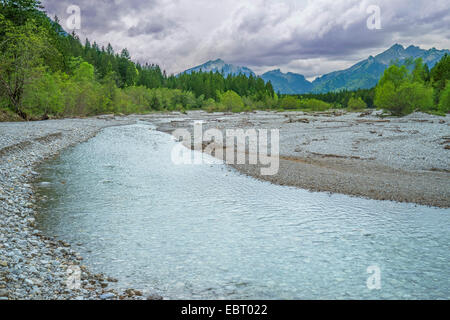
[401, 90]
[47, 73]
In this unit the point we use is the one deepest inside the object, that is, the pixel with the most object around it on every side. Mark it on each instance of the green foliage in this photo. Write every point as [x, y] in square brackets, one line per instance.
[289, 102]
[439, 75]
[340, 99]
[444, 102]
[355, 104]
[21, 58]
[414, 96]
[211, 85]
[44, 96]
[401, 92]
[45, 72]
[84, 73]
[420, 72]
[310, 104]
[19, 11]
[408, 97]
[231, 100]
[314, 105]
[395, 75]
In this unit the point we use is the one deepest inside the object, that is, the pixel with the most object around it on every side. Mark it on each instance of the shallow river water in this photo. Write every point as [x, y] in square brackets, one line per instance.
[206, 231]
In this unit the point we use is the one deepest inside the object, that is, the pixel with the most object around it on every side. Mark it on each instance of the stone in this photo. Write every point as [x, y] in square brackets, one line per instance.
[107, 296]
[3, 293]
[130, 292]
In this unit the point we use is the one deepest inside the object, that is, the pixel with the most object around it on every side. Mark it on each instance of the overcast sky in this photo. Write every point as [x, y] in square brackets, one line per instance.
[307, 37]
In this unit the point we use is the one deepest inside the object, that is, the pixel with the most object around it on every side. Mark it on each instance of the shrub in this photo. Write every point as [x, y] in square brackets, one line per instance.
[230, 100]
[290, 102]
[314, 105]
[356, 104]
[44, 96]
[402, 93]
[404, 100]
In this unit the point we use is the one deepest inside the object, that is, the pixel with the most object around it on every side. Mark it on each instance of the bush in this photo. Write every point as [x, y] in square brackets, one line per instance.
[237, 109]
[395, 75]
[404, 100]
[415, 96]
[402, 93]
[356, 104]
[44, 96]
[289, 102]
[230, 100]
[314, 105]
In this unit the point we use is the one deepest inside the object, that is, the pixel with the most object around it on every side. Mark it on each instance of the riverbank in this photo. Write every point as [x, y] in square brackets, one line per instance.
[358, 154]
[33, 266]
[402, 159]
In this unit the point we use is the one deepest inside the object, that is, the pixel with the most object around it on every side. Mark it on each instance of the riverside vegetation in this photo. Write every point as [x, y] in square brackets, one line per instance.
[46, 72]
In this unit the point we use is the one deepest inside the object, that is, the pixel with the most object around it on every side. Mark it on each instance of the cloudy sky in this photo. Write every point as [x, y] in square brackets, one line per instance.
[303, 36]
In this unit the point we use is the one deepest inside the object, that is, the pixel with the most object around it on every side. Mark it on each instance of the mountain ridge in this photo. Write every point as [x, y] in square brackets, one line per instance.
[221, 66]
[364, 74]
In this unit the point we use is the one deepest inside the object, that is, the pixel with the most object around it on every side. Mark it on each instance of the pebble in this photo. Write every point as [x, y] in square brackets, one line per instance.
[107, 296]
[33, 266]
[155, 297]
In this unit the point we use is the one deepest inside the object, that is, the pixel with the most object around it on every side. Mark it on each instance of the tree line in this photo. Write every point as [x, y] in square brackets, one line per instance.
[46, 72]
[403, 89]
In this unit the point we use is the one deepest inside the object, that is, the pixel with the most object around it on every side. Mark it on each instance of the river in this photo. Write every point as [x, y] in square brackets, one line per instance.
[209, 232]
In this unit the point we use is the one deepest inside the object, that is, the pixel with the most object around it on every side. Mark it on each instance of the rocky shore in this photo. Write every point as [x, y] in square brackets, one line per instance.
[33, 266]
[402, 159]
[359, 154]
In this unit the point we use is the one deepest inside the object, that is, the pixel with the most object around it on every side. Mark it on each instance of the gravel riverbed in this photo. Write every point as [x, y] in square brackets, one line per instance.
[359, 154]
[402, 159]
[33, 266]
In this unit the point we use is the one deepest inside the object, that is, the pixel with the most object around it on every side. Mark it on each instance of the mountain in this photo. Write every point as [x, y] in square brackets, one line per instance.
[287, 83]
[363, 75]
[367, 73]
[222, 67]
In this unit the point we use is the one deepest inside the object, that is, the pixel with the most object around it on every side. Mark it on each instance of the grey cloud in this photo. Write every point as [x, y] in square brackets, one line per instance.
[99, 15]
[156, 28]
[342, 40]
[259, 33]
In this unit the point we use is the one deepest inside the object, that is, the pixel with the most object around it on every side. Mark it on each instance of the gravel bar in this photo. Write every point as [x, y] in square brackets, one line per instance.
[32, 266]
[359, 154]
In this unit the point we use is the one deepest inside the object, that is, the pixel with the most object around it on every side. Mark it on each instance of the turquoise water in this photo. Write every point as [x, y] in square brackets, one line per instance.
[206, 231]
